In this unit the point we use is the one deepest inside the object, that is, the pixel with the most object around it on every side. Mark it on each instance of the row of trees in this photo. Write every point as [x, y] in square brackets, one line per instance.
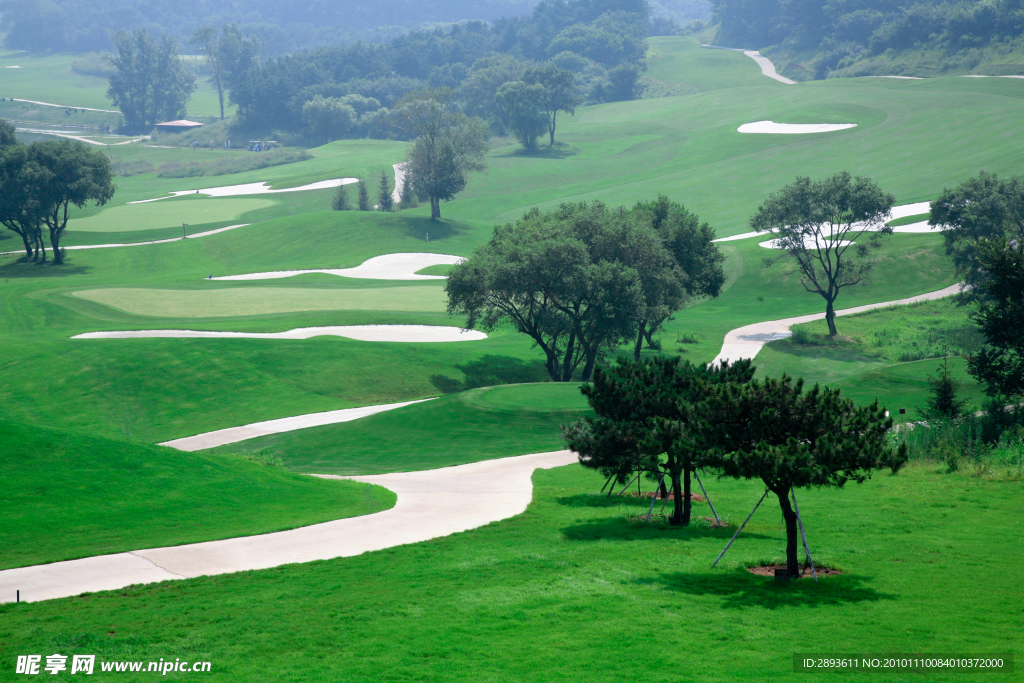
[670, 418]
[40, 182]
[585, 278]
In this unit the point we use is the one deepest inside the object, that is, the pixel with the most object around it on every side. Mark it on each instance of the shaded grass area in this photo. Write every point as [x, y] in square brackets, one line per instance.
[544, 596]
[67, 495]
[480, 424]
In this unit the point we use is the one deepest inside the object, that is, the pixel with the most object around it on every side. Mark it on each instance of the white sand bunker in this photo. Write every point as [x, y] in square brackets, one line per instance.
[770, 127]
[252, 188]
[809, 243]
[386, 267]
[370, 333]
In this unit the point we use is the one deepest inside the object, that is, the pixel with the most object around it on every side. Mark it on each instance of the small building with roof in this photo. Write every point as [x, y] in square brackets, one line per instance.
[177, 126]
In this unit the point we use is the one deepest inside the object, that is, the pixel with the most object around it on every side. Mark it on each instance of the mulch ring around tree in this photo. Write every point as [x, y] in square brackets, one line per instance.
[694, 497]
[769, 570]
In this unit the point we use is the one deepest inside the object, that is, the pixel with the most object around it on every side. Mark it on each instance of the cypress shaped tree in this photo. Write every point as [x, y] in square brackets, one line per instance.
[364, 196]
[943, 403]
[384, 200]
[341, 201]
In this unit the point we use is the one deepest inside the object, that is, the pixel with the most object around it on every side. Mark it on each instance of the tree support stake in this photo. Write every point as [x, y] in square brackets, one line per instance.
[741, 528]
[803, 535]
[707, 497]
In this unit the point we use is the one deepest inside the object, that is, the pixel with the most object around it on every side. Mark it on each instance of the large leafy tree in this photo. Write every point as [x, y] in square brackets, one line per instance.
[559, 92]
[557, 276]
[978, 209]
[20, 212]
[829, 228]
[328, 118]
[695, 270]
[229, 53]
[646, 421]
[448, 144]
[999, 365]
[523, 107]
[72, 174]
[774, 431]
[150, 83]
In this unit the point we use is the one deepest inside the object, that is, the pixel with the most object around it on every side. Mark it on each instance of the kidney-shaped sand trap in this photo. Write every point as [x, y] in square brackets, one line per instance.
[252, 188]
[792, 128]
[386, 267]
[373, 333]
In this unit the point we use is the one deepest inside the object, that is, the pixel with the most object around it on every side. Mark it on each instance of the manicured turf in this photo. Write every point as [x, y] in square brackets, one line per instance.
[168, 213]
[886, 354]
[576, 589]
[479, 424]
[67, 495]
[263, 300]
[49, 78]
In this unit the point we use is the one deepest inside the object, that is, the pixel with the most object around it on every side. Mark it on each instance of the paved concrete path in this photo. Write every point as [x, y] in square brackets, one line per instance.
[431, 503]
[745, 342]
[767, 68]
[222, 437]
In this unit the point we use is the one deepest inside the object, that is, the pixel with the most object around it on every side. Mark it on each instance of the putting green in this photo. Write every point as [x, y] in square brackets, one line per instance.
[216, 303]
[167, 214]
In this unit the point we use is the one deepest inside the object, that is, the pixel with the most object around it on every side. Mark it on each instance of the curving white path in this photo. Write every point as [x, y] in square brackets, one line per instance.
[772, 128]
[396, 194]
[64, 106]
[431, 503]
[746, 341]
[897, 212]
[222, 437]
[767, 68]
[387, 267]
[143, 244]
[370, 333]
[251, 189]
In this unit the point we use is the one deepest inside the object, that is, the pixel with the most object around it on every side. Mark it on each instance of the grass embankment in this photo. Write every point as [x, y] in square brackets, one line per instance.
[577, 589]
[886, 354]
[67, 495]
[479, 424]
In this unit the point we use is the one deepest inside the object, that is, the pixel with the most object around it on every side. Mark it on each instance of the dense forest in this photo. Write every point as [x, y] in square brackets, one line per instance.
[282, 26]
[600, 41]
[846, 31]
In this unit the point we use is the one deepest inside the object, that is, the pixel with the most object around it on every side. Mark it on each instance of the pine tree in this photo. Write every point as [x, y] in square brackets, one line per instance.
[384, 200]
[341, 202]
[364, 196]
[943, 403]
[406, 193]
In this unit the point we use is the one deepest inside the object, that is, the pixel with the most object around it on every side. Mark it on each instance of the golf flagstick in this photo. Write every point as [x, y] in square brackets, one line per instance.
[740, 529]
[804, 535]
[707, 497]
[654, 498]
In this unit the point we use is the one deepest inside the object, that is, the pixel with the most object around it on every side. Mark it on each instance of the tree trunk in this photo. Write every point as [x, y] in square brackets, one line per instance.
[570, 350]
[639, 342]
[792, 560]
[435, 208]
[58, 255]
[588, 368]
[677, 500]
[830, 317]
[664, 491]
[551, 128]
[687, 503]
[220, 96]
[28, 245]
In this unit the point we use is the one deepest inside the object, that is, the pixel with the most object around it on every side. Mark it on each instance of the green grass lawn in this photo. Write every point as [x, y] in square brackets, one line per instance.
[577, 589]
[66, 495]
[479, 424]
[886, 354]
[242, 301]
[49, 78]
[168, 213]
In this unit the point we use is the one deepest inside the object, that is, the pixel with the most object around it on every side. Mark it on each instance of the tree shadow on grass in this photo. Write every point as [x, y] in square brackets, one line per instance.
[741, 589]
[489, 371]
[623, 529]
[418, 227]
[23, 268]
[559, 151]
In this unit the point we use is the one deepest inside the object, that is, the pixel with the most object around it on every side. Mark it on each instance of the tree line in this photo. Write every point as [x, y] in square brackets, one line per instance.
[40, 182]
[850, 31]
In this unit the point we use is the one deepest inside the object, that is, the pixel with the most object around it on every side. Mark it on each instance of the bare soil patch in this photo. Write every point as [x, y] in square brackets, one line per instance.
[805, 572]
